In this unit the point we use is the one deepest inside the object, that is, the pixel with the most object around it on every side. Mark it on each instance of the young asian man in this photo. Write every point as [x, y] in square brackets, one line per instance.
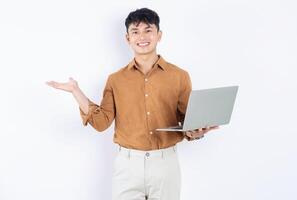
[146, 94]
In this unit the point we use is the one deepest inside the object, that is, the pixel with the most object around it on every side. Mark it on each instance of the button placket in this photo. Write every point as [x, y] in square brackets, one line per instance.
[146, 100]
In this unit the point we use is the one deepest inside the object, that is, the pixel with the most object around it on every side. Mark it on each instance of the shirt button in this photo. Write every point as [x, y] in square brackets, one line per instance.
[147, 113]
[147, 154]
[151, 132]
[146, 95]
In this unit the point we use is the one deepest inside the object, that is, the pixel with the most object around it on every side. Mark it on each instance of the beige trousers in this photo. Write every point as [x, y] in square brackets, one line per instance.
[151, 175]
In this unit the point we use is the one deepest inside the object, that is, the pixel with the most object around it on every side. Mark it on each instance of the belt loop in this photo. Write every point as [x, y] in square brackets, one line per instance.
[162, 154]
[119, 147]
[129, 153]
[174, 149]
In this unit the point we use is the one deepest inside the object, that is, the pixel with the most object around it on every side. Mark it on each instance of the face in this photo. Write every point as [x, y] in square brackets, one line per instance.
[143, 38]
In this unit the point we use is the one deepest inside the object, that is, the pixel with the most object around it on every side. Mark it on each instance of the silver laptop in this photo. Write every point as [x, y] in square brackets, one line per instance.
[208, 107]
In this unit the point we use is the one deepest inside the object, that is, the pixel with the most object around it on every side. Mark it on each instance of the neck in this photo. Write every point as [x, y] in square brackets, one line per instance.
[146, 62]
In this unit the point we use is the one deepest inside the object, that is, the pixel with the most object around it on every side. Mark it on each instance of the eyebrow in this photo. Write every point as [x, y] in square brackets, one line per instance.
[136, 29]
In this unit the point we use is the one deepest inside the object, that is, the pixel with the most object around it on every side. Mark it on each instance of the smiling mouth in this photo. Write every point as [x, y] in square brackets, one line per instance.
[143, 44]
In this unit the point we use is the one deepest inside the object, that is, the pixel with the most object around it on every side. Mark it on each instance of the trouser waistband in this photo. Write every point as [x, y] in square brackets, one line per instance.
[150, 153]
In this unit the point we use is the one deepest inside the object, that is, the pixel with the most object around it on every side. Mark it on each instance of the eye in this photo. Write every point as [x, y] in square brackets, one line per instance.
[134, 32]
[148, 30]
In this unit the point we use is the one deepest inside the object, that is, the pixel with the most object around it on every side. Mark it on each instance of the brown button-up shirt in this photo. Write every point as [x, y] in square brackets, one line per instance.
[141, 103]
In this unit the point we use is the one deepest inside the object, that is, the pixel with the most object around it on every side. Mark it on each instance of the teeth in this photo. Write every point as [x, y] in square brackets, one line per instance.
[143, 44]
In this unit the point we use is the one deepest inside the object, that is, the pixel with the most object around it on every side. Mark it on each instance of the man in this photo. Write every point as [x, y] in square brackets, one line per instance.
[147, 94]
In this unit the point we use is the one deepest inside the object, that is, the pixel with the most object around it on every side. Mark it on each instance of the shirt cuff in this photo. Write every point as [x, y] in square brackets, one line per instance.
[87, 117]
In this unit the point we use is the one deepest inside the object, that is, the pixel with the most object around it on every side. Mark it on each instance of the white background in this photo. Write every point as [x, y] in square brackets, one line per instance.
[45, 151]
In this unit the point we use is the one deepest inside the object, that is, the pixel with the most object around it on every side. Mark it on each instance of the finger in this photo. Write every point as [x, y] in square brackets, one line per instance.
[188, 133]
[205, 128]
[199, 134]
[214, 127]
[50, 83]
[57, 85]
[200, 129]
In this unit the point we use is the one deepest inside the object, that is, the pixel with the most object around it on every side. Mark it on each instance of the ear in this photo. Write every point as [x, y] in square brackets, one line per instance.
[159, 36]
[127, 38]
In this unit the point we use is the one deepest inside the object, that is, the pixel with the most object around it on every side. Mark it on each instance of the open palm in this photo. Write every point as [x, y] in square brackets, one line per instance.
[68, 86]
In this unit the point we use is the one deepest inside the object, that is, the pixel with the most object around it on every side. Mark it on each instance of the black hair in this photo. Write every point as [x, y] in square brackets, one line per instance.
[144, 15]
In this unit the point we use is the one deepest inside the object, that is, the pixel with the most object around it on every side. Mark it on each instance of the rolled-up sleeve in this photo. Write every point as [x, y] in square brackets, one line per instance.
[86, 117]
[101, 116]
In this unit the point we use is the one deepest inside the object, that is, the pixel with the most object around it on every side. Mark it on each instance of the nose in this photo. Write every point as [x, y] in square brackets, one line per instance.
[142, 36]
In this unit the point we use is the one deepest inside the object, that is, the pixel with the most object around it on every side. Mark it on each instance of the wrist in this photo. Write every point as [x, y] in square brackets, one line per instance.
[75, 89]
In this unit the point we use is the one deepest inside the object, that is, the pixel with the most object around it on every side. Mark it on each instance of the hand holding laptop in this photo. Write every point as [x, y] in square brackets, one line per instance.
[199, 133]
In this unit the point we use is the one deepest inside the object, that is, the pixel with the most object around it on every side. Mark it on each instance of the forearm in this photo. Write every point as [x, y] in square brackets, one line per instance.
[81, 99]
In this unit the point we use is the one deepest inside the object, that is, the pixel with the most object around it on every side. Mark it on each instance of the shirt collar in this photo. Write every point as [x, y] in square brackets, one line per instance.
[160, 63]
